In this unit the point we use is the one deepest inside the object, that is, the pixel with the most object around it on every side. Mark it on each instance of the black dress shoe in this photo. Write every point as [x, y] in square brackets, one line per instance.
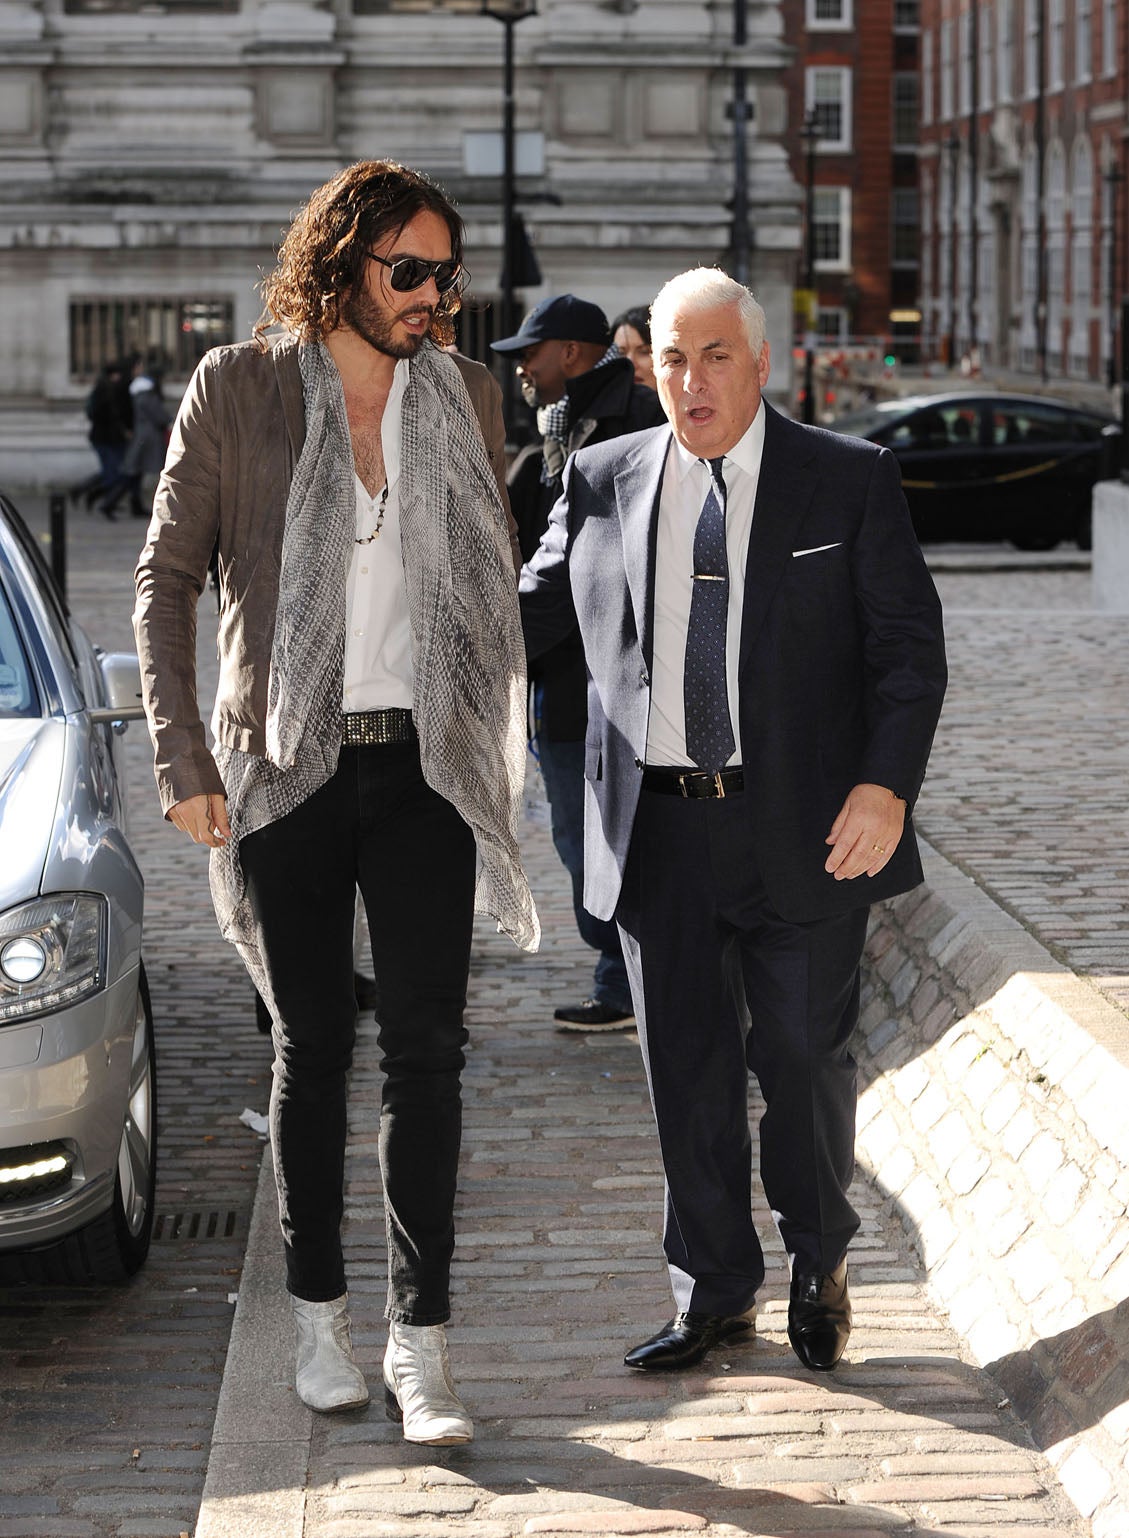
[593, 1016]
[686, 1338]
[819, 1317]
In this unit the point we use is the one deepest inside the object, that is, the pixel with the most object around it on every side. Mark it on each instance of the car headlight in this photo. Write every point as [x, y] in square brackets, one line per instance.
[52, 954]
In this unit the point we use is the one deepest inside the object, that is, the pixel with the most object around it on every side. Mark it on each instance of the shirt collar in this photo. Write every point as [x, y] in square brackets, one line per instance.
[745, 453]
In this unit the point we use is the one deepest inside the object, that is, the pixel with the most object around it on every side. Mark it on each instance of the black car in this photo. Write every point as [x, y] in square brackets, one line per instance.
[981, 466]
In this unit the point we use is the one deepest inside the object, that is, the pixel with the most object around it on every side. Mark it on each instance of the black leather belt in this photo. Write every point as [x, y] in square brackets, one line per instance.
[694, 784]
[363, 728]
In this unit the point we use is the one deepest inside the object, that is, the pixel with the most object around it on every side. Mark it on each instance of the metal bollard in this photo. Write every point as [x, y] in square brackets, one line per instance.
[57, 518]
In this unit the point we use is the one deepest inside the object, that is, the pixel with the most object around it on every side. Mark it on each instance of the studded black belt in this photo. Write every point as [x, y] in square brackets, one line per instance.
[694, 784]
[364, 728]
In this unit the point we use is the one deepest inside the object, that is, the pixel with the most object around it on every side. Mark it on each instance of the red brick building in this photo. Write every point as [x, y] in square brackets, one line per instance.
[1023, 206]
[854, 79]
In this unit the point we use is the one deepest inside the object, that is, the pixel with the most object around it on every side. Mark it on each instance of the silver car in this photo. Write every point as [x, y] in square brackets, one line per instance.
[78, 1130]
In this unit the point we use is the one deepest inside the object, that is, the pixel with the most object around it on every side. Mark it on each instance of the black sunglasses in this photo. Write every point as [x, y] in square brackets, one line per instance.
[409, 272]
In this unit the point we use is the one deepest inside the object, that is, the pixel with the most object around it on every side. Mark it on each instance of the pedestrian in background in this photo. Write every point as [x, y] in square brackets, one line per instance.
[108, 412]
[370, 727]
[631, 333]
[584, 393]
[767, 664]
[145, 453]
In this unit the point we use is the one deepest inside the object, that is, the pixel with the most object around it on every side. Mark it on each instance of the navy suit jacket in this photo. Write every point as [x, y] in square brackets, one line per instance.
[842, 661]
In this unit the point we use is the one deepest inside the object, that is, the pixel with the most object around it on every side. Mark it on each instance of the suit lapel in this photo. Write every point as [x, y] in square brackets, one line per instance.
[637, 499]
[787, 481]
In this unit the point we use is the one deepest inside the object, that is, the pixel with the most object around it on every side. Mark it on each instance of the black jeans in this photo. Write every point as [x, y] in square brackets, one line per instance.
[379, 826]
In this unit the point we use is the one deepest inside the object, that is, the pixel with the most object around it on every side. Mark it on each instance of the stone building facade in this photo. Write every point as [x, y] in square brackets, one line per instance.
[152, 152]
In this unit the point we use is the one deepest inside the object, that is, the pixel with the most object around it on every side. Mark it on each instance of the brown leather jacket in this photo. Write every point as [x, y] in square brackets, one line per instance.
[234, 446]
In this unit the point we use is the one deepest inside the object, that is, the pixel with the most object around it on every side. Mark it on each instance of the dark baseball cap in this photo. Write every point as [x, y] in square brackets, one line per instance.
[563, 319]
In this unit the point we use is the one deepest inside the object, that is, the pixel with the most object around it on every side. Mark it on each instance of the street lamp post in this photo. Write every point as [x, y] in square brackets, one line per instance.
[809, 135]
[509, 13]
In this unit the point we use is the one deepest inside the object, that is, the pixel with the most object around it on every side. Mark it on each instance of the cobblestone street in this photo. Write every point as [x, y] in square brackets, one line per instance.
[107, 1399]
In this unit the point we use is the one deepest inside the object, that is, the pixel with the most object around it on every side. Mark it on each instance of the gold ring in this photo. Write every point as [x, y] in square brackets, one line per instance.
[879, 848]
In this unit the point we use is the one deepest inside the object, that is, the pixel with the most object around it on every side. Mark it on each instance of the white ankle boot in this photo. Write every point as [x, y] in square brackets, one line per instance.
[327, 1377]
[418, 1388]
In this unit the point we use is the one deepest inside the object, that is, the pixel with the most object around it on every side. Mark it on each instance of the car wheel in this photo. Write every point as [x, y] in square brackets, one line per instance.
[115, 1244]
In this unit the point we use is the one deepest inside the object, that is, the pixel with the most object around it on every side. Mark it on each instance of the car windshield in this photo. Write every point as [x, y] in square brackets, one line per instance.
[18, 694]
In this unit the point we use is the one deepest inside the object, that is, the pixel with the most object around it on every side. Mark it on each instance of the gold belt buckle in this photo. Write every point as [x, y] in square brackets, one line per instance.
[719, 786]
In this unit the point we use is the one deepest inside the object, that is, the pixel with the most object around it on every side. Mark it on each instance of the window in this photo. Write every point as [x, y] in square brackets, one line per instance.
[946, 70]
[829, 102]
[907, 15]
[1109, 37]
[967, 63]
[170, 334]
[906, 227]
[1056, 63]
[831, 324]
[1005, 50]
[927, 77]
[1083, 39]
[1032, 40]
[832, 211]
[907, 112]
[826, 15]
[18, 695]
[984, 20]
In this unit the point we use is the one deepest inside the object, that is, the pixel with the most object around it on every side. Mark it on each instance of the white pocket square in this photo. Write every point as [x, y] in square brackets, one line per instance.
[815, 549]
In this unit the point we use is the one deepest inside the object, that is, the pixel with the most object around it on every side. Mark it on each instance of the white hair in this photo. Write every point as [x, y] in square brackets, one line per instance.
[705, 288]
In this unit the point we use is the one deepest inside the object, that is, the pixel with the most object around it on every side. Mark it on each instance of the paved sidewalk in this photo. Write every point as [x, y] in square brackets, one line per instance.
[558, 1264]
[558, 1269]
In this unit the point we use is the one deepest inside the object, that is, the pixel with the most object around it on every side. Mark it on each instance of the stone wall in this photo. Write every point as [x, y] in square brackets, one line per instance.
[995, 1112]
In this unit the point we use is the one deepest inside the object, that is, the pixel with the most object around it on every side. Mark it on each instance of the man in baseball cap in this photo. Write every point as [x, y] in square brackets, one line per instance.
[584, 392]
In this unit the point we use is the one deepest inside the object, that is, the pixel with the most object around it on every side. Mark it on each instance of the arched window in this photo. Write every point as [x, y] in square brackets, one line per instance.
[1056, 252]
[1028, 256]
[1081, 254]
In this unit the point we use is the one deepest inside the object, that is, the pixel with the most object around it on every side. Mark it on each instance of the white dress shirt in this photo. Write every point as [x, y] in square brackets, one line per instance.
[378, 637]
[686, 481]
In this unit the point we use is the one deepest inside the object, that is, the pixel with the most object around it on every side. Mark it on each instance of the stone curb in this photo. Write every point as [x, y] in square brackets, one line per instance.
[994, 1115]
[256, 1481]
[970, 1034]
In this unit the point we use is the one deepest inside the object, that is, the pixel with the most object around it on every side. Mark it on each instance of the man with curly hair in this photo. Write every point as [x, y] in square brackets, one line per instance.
[369, 726]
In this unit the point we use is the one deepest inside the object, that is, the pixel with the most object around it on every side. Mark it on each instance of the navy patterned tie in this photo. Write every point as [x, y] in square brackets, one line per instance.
[709, 729]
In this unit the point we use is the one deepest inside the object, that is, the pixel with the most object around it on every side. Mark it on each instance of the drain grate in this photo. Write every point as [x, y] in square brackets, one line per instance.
[199, 1223]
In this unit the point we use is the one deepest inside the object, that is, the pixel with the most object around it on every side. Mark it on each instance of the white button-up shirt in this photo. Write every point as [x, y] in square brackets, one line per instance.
[686, 481]
[378, 637]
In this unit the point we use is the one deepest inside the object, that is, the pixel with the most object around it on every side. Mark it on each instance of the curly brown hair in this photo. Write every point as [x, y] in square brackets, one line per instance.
[322, 257]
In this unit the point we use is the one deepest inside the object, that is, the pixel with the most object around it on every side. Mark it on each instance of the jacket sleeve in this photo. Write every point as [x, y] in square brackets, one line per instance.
[904, 644]
[545, 592]
[486, 398]
[169, 579]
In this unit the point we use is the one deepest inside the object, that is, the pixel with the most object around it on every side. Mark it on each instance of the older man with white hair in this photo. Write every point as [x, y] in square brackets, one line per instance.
[766, 665]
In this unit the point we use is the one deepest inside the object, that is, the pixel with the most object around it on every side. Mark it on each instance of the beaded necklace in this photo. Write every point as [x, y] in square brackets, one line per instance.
[368, 539]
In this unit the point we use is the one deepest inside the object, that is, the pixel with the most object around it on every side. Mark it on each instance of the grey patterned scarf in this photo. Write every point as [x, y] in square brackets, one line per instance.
[468, 655]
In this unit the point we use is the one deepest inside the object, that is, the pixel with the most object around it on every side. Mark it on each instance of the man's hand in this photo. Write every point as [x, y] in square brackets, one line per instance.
[865, 833]
[204, 819]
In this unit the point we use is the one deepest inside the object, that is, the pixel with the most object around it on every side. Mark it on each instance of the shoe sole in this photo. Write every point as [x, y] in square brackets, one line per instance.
[576, 1025]
[394, 1413]
[338, 1409]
